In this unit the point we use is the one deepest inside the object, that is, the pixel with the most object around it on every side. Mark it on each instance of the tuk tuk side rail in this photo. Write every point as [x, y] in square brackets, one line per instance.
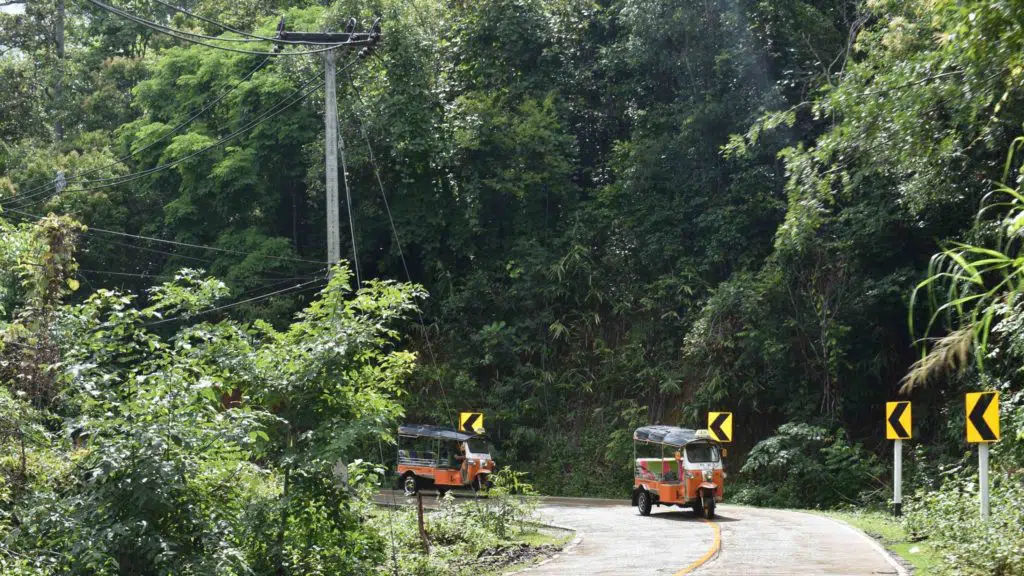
[410, 458]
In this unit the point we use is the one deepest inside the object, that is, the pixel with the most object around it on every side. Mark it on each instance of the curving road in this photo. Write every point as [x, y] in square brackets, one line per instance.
[617, 541]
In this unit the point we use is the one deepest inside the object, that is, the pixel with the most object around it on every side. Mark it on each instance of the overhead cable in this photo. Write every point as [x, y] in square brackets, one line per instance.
[273, 281]
[292, 289]
[250, 36]
[279, 107]
[29, 193]
[273, 111]
[176, 243]
[202, 40]
[266, 115]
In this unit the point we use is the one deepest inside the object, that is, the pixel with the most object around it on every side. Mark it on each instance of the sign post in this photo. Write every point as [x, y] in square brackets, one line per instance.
[983, 479]
[897, 427]
[897, 478]
[983, 429]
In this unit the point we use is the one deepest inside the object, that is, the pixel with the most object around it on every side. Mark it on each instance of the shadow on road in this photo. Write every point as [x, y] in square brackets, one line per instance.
[688, 516]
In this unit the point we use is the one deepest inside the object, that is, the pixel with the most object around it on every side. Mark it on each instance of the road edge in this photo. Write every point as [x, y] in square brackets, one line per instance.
[890, 558]
[566, 549]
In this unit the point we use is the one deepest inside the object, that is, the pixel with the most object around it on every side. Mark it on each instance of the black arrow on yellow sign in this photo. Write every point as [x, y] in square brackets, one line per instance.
[983, 417]
[720, 426]
[897, 430]
[468, 422]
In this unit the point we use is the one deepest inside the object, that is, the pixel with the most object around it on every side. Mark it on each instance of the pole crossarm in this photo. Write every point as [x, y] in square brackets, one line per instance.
[329, 37]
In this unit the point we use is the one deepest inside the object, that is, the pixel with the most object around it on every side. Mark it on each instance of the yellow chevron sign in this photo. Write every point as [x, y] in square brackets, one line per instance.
[720, 426]
[471, 422]
[897, 420]
[982, 416]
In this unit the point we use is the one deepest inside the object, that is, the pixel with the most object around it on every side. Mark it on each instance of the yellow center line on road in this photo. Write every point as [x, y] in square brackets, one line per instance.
[715, 546]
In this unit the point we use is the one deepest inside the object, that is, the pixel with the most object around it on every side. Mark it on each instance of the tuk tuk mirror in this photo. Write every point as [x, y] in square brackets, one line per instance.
[678, 455]
[725, 452]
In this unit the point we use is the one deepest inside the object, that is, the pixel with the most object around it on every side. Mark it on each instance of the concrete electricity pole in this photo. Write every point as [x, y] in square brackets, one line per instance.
[331, 134]
[331, 159]
[58, 87]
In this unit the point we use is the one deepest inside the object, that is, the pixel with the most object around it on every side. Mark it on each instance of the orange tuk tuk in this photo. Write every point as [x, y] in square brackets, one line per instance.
[677, 466]
[431, 456]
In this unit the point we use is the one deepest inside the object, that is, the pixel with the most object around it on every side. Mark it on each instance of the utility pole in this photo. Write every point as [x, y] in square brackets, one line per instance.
[58, 87]
[331, 134]
[331, 160]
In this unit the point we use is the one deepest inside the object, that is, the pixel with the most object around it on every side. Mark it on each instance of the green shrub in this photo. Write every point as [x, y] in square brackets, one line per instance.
[950, 520]
[459, 533]
[805, 466]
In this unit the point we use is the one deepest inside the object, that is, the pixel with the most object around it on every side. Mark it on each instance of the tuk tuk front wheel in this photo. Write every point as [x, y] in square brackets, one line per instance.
[709, 505]
[481, 483]
[410, 485]
[643, 503]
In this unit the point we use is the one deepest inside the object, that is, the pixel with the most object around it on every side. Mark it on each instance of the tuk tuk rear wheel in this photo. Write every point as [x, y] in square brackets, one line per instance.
[643, 503]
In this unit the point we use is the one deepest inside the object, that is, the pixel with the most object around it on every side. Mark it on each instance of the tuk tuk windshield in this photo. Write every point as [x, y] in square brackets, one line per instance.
[702, 453]
[478, 446]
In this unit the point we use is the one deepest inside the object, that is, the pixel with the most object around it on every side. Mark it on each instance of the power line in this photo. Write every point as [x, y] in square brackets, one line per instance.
[252, 37]
[269, 274]
[212, 248]
[293, 289]
[280, 106]
[89, 232]
[29, 194]
[147, 249]
[176, 243]
[200, 39]
[131, 274]
[277, 281]
[274, 275]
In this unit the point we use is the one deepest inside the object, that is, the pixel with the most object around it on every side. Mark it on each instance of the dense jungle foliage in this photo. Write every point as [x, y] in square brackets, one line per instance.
[620, 212]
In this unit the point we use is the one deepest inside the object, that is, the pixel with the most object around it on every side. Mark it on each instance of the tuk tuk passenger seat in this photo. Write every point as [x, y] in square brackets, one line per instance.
[666, 469]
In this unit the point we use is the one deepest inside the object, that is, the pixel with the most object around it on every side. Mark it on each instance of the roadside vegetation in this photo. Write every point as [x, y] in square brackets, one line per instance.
[490, 535]
[575, 216]
[134, 444]
[924, 557]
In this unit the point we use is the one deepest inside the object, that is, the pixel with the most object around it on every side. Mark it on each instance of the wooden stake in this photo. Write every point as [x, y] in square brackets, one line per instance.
[419, 513]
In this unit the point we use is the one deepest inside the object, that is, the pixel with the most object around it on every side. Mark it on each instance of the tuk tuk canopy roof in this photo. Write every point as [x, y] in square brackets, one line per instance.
[669, 435]
[429, 431]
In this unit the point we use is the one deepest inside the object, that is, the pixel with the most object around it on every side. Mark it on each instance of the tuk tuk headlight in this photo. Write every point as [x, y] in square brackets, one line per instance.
[709, 475]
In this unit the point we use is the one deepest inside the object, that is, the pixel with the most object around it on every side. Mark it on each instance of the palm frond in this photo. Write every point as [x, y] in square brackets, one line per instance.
[948, 353]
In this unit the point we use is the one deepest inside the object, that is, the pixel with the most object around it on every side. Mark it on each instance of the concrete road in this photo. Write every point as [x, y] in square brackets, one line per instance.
[617, 541]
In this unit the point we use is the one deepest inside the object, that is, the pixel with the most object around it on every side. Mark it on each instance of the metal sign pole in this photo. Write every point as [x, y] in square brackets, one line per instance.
[983, 479]
[897, 478]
